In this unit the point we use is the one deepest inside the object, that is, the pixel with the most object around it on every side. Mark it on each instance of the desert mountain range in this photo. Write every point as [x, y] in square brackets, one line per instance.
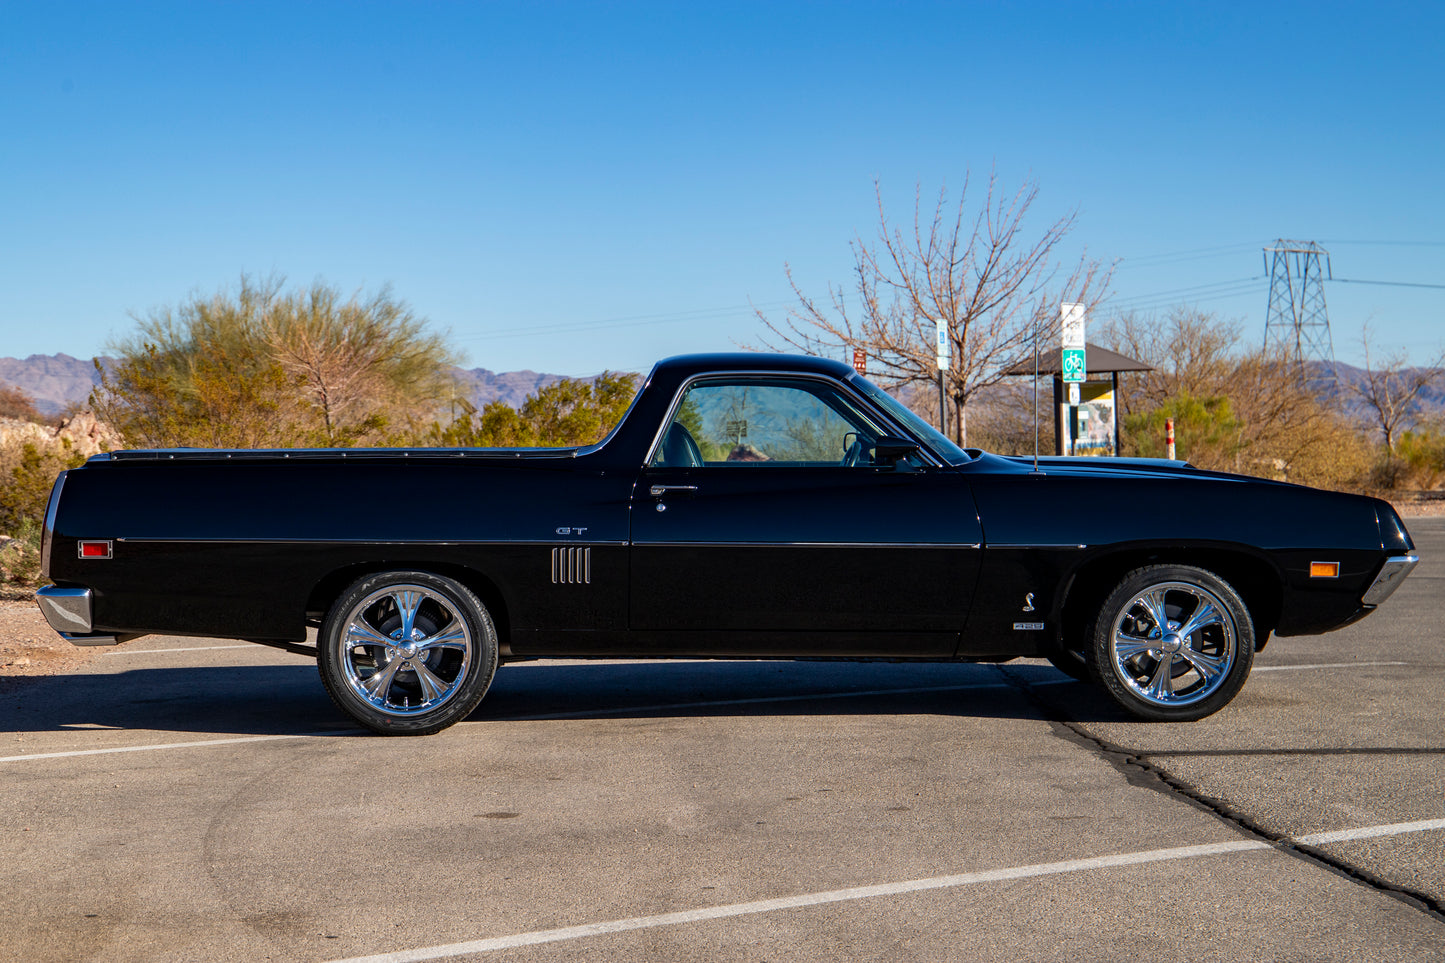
[58, 380]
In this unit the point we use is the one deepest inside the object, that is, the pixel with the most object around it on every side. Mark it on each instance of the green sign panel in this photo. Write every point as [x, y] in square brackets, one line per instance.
[1074, 364]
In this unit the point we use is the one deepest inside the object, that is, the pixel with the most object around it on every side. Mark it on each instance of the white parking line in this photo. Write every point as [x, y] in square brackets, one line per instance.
[1321, 665]
[869, 892]
[200, 744]
[1370, 832]
[804, 900]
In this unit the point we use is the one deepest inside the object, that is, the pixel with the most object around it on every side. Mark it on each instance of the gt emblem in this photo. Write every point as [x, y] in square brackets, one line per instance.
[1029, 602]
[571, 531]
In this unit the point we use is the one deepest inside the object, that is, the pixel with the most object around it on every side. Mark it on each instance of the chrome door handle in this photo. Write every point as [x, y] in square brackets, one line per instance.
[660, 491]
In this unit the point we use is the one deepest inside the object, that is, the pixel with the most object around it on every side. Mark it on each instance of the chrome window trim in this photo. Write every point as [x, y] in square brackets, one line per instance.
[842, 387]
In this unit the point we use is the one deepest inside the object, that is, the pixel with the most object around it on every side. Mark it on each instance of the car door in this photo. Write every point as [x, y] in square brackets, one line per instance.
[765, 524]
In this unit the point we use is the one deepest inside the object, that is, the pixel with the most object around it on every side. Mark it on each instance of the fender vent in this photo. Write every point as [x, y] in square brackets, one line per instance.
[571, 566]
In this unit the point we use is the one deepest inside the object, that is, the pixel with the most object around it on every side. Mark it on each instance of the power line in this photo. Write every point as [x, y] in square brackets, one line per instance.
[1209, 288]
[1393, 284]
[1248, 290]
[1174, 257]
[1392, 243]
[626, 321]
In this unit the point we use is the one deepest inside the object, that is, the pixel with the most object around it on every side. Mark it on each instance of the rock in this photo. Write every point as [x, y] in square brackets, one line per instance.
[86, 434]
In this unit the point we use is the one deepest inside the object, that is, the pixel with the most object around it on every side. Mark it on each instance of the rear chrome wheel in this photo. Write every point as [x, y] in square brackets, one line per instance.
[407, 653]
[1173, 642]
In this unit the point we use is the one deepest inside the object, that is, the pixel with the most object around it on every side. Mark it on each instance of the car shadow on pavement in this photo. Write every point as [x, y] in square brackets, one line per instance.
[685, 688]
[290, 700]
[260, 700]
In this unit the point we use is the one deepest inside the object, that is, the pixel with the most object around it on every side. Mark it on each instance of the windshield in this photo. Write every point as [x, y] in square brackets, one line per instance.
[925, 432]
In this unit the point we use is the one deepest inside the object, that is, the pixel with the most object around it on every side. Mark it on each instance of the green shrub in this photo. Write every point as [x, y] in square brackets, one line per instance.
[1419, 460]
[20, 557]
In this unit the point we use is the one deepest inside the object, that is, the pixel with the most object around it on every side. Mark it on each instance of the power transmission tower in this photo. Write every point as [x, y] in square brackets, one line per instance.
[1297, 322]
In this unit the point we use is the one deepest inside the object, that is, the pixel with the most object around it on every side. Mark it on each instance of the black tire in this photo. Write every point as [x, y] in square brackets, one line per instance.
[1187, 615]
[414, 685]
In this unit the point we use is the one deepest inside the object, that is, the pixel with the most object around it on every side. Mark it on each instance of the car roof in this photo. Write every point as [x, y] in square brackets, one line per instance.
[687, 365]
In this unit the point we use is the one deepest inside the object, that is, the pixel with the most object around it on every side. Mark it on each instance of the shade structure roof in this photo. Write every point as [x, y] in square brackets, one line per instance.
[1096, 359]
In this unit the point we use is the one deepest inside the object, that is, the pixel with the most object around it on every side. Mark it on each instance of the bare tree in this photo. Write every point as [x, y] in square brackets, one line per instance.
[1391, 389]
[993, 284]
[1190, 351]
[358, 359]
[1235, 410]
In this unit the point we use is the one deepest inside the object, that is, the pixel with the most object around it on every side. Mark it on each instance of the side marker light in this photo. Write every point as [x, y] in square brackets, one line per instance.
[97, 549]
[1324, 569]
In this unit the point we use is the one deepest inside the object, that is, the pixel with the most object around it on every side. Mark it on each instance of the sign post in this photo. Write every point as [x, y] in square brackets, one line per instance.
[860, 361]
[1073, 363]
[941, 327]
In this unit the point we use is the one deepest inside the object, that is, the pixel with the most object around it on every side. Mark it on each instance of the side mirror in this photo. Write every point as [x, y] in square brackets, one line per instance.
[890, 450]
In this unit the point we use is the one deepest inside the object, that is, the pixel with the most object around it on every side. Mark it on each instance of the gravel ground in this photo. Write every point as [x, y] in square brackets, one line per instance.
[30, 647]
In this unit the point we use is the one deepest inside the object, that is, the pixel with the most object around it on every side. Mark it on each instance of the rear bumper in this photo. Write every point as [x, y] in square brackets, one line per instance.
[68, 612]
[1392, 573]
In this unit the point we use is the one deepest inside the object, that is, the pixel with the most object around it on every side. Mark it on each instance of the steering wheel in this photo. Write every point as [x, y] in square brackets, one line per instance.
[854, 454]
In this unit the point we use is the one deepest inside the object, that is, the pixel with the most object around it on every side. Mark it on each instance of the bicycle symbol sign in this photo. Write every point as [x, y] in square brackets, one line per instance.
[1074, 369]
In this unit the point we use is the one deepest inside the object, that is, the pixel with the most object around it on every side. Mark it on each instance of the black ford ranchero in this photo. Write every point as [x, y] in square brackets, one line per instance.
[747, 506]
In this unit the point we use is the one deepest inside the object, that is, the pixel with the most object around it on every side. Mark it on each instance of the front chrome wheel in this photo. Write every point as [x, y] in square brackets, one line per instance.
[407, 653]
[1173, 642]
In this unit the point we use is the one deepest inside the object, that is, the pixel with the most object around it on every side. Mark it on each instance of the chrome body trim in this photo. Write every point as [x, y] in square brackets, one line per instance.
[47, 534]
[66, 609]
[1392, 573]
[340, 454]
[571, 566]
[1069, 545]
[361, 541]
[74, 639]
[808, 544]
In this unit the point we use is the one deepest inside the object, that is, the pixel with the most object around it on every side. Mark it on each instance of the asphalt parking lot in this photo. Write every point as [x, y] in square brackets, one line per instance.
[184, 799]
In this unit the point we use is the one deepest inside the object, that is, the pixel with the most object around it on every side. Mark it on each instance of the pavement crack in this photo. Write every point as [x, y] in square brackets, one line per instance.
[1345, 751]
[1137, 768]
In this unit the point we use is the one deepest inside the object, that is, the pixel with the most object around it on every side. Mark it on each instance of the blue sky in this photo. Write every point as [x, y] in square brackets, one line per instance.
[578, 187]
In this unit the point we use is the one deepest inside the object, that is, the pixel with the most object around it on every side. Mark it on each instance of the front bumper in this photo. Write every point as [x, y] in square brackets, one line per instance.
[1392, 573]
[68, 612]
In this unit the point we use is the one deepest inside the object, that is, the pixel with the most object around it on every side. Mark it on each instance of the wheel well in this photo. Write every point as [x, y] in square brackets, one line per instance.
[329, 589]
[1256, 581]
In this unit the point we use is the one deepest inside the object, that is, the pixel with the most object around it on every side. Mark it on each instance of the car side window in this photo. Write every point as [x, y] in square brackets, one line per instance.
[761, 424]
